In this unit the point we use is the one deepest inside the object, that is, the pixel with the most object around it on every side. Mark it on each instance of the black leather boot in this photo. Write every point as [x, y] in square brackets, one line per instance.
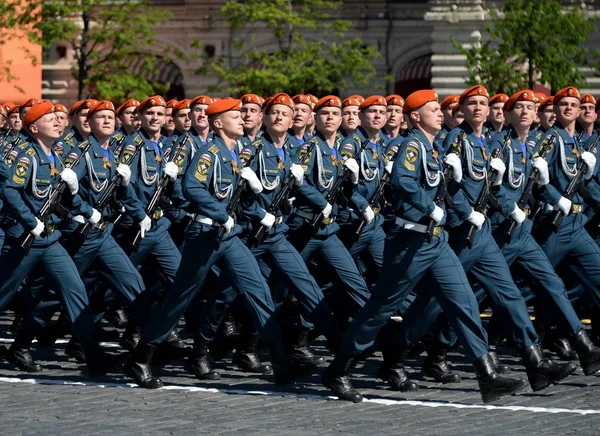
[175, 341]
[436, 366]
[559, 345]
[139, 369]
[99, 362]
[225, 340]
[246, 359]
[130, 337]
[337, 378]
[492, 385]
[198, 363]
[542, 371]
[75, 351]
[298, 346]
[392, 370]
[589, 354]
[18, 353]
[116, 316]
[500, 367]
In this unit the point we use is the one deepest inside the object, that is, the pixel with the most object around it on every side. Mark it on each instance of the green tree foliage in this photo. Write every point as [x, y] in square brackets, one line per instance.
[532, 41]
[290, 63]
[104, 35]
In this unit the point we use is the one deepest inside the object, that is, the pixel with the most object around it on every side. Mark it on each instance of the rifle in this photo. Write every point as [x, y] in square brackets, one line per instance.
[337, 186]
[571, 189]
[107, 193]
[51, 205]
[155, 201]
[442, 191]
[281, 197]
[236, 197]
[376, 199]
[482, 200]
[527, 195]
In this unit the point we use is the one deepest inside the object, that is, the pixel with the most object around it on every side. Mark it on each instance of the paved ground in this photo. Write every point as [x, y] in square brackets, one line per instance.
[62, 400]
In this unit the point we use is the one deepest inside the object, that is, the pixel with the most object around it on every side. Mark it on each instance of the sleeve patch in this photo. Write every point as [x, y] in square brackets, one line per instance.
[21, 171]
[349, 146]
[410, 157]
[204, 164]
[128, 151]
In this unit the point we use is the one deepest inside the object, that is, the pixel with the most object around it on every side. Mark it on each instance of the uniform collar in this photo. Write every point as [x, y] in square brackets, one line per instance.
[420, 136]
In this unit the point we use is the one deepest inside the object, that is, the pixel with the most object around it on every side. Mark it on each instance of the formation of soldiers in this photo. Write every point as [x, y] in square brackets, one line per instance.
[277, 221]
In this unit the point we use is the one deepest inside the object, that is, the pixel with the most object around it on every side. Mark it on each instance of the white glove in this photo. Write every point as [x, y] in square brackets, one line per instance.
[95, 218]
[564, 204]
[39, 228]
[389, 166]
[171, 170]
[125, 172]
[543, 177]
[268, 220]
[453, 161]
[229, 225]
[298, 174]
[291, 201]
[590, 162]
[368, 215]
[518, 215]
[145, 225]
[327, 211]
[438, 213]
[250, 176]
[476, 218]
[498, 165]
[352, 166]
[70, 178]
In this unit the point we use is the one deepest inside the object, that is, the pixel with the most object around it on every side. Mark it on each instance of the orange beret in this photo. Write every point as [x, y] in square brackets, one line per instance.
[419, 98]
[523, 95]
[37, 111]
[281, 98]
[2, 111]
[201, 99]
[312, 99]
[104, 105]
[225, 105]
[301, 99]
[150, 102]
[328, 101]
[360, 98]
[588, 98]
[569, 91]
[9, 106]
[374, 100]
[498, 98]
[172, 103]
[183, 104]
[253, 98]
[351, 101]
[473, 91]
[541, 97]
[30, 103]
[58, 107]
[394, 100]
[129, 103]
[451, 99]
[82, 104]
[549, 101]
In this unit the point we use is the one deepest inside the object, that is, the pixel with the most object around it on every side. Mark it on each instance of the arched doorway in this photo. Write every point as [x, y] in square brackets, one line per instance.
[165, 71]
[414, 76]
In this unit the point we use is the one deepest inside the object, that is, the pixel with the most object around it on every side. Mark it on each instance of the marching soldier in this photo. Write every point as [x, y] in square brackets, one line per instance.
[302, 116]
[495, 119]
[79, 130]
[62, 115]
[395, 117]
[587, 118]
[350, 121]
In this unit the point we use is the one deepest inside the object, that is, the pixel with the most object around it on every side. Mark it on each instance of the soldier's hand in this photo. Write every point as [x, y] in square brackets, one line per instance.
[453, 161]
[518, 215]
[70, 178]
[542, 177]
[145, 226]
[564, 205]
[171, 170]
[590, 163]
[298, 173]
[500, 168]
[476, 218]
[268, 220]
[327, 211]
[95, 218]
[389, 166]
[229, 225]
[39, 228]
[125, 172]
[250, 176]
[368, 215]
[352, 166]
[437, 215]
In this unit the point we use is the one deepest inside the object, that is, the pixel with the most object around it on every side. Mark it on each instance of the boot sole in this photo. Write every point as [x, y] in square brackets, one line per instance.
[494, 396]
[341, 397]
[544, 382]
[455, 377]
[591, 368]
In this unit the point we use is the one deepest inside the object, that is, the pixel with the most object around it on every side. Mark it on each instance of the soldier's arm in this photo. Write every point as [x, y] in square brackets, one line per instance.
[250, 207]
[548, 193]
[460, 203]
[406, 178]
[503, 196]
[308, 191]
[14, 190]
[349, 149]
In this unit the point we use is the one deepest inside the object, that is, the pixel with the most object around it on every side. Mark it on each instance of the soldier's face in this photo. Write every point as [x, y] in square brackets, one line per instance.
[182, 120]
[2, 121]
[328, 120]
[80, 122]
[153, 119]
[46, 128]
[459, 117]
[522, 114]
[547, 117]
[350, 120]
[476, 109]
[279, 119]
[102, 123]
[567, 110]
[373, 118]
[588, 113]
[63, 120]
[127, 117]
[429, 117]
[137, 123]
[497, 113]
[198, 116]
[169, 123]
[232, 124]
[449, 120]
[14, 122]
[302, 114]
[394, 116]
[252, 116]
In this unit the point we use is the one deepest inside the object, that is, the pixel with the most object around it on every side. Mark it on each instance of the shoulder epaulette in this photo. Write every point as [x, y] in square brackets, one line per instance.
[214, 149]
[256, 143]
[356, 138]
[314, 140]
[138, 140]
[83, 144]
[118, 136]
[259, 134]
[31, 152]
